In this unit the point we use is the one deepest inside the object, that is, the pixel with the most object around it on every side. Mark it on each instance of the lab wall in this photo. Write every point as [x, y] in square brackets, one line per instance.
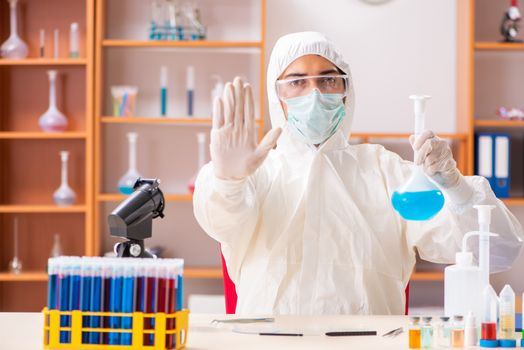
[394, 50]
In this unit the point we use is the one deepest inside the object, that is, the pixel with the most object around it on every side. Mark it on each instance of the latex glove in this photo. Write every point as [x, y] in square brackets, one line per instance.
[435, 155]
[234, 150]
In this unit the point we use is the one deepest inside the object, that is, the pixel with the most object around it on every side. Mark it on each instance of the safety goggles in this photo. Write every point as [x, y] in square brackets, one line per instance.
[301, 86]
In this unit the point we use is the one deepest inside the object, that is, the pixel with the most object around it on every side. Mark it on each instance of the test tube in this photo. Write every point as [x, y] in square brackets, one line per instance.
[507, 318]
[172, 274]
[426, 333]
[85, 294]
[163, 91]
[42, 43]
[53, 265]
[414, 332]
[457, 332]
[74, 51]
[96, 299]
[488, 325]
[63, 302]
[150, 301]
[190, 86]
[107, 276]
[115, 303]
[128, 298]
[56, 47]
[180, 284]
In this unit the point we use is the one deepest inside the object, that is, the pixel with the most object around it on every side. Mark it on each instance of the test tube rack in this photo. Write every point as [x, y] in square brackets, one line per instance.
[161, 332]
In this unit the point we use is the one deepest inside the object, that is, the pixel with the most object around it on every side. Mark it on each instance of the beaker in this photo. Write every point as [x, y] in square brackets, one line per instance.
[126, 182]
[13, 47]
[201, 138]
[64, 196]
[124, 100]
[52, 120]
[418, 199]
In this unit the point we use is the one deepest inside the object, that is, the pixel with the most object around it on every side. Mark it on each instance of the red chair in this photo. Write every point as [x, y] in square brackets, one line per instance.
[230, 292]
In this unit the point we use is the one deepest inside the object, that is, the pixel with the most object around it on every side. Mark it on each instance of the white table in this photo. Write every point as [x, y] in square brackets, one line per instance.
[24, 331]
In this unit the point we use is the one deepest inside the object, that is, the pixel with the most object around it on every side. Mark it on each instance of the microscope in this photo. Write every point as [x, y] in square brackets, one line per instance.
[133, 218]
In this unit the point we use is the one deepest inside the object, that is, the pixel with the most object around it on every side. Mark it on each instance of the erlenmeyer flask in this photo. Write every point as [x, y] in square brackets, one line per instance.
[13, 47]
[52, 120]
[64, 196]
[15, 265]
[419, 199]
[126, 182]
[201, 138]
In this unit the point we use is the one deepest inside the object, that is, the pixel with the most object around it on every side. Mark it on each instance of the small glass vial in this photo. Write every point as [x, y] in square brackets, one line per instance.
[457, 332]
[444, 332]
[414, 332]
[426, 333]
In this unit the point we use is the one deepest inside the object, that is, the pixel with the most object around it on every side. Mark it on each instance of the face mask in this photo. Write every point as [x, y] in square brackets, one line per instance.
[315, 117]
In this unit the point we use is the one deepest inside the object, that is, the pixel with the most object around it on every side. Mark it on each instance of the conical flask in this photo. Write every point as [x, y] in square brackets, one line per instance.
[201, 138]
[13, 47]
[418, 199]
[56, 250]
[52, 120]
[126, 182]
[15, 265]
[64, 196]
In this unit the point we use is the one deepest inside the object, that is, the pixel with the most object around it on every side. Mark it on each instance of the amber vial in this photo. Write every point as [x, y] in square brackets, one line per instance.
[457, 338]
[414, 333]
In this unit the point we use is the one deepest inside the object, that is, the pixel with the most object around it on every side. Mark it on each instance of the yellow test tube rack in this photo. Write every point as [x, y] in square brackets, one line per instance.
[52, 329]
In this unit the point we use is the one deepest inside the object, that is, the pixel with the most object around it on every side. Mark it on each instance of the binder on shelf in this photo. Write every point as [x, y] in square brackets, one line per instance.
[492, 160]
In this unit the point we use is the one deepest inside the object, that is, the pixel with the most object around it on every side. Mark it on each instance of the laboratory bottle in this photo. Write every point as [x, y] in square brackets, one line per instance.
[74, 51]
[471, 330]
[419, 198]
[13, 47]
[507, 318]
[457, 332]
[201, 139]
[414, 332]
[488, 321]
[52, 120]
[443, 332]
[127, 181]
[64, 196]
[426, 333]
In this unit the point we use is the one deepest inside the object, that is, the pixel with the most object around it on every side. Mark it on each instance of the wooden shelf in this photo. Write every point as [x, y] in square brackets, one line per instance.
[181, 44]
[203, 273]
[495, 46]
[501, 123]
[34, 209]
[30, 276]
[403, 136]
[513, 201]
[44, 62]
[433, 276]
[160, 120]
[117, 197]
[38, 135]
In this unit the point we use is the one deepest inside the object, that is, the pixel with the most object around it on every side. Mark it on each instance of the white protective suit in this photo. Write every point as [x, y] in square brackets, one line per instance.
[313, 231]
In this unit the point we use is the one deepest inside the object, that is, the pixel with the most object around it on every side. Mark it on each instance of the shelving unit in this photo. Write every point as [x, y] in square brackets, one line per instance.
[116, 41]
[29, 158]
[479, 50]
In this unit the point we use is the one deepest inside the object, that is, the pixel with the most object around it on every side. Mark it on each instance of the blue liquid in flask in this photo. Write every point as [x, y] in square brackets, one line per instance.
[418, 206]
[126, 189]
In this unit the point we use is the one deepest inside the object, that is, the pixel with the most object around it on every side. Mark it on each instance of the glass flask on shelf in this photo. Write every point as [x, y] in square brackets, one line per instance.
[52, 120]
[418, 199]
[201, 138]
[126, 182]
[15, 265]
[13, 47]
[56, 250]
[64, 196]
